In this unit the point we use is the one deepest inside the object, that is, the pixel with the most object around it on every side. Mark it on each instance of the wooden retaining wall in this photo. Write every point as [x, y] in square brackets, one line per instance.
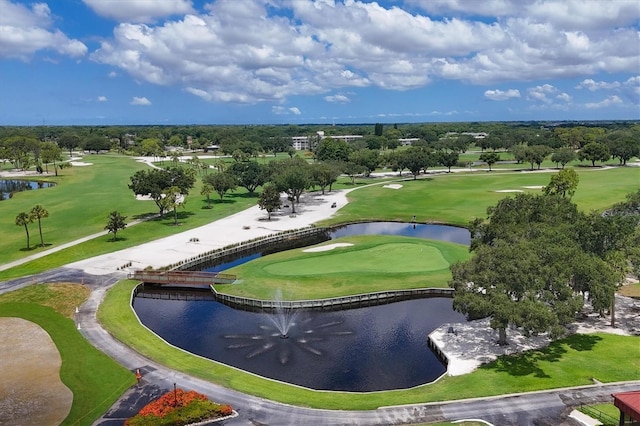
[334, 303]
[261, 244]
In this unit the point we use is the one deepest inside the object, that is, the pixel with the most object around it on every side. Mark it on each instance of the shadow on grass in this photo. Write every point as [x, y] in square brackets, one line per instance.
[527, 364]
[243, 195]
[582, 342]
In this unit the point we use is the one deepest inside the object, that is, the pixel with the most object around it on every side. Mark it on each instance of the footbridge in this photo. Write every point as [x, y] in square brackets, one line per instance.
[182, 278]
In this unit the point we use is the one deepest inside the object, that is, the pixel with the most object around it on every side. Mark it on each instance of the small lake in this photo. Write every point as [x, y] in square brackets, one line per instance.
[357, 350]
[10, 186]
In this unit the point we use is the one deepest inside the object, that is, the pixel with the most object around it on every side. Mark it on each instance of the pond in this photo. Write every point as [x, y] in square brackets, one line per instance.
[359, 350]
[10, 186]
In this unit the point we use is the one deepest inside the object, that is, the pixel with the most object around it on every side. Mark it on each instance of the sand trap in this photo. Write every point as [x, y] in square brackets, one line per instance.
[147, 197]
[80, 163]
[393, 186]
[509, 190]
[327, 247]
[31, 392]
[534, 187]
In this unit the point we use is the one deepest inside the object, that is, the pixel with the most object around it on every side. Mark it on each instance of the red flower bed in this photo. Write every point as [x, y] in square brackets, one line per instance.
[167, 402]
[179, 407]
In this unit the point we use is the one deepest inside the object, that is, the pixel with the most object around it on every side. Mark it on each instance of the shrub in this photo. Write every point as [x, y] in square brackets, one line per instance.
[179, 408]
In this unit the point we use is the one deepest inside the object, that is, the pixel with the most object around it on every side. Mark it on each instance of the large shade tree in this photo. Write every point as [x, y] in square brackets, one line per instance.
[153, 182]
[532, 267]
[269, 199]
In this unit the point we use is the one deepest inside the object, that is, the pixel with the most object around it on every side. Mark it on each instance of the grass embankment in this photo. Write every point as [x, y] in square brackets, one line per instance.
[95, 379]
[370, 264]
[609, 358]
[459, 198]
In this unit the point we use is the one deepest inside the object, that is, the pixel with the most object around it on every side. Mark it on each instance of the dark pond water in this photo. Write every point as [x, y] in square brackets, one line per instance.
[10, 186]
[359, 350]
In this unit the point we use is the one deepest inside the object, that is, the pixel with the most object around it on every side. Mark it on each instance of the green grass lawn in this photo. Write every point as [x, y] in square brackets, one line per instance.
[609, 358]
[459, 198]
[370, 264]
[79, 206]
[95, 379]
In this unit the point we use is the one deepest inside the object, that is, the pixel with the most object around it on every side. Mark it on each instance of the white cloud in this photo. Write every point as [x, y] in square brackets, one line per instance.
[309, 48]
[339, 99]
[501, 95]
[112, 74]
[611, 100]
[102, 99]
[542, 93]
[139, 10]
[23, 32]
[280, 110]
[140, 101]
[593, 85]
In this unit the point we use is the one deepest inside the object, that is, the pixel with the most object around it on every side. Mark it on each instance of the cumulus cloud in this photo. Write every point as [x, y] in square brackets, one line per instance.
[112, 74]
[102, 99]
[339, 99]
[593, 85]
[25, 31]
[141, 101]
[501, 95]
[280, 110]
[139, 10]
[310, 48]
[611, 100]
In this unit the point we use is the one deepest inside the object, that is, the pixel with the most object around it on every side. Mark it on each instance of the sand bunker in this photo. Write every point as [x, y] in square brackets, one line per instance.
[31, 392]
[393, 186]
[327, 247]
[534, 187]
[80, 163]
[509, 190]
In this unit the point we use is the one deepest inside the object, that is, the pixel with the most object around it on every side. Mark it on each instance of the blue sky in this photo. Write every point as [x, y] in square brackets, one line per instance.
[102, 62]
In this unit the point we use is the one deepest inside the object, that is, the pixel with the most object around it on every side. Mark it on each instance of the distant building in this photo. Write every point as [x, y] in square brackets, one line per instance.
[478, 135]
[407, 141]
[303, 143]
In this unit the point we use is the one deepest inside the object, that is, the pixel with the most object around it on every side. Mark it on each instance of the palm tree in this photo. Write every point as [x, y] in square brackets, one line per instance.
[39, 212]
[207, 190]
[24, 219]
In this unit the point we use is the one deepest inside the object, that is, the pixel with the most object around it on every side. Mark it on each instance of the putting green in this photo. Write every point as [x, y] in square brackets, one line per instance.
[384, 258]
[365, 263]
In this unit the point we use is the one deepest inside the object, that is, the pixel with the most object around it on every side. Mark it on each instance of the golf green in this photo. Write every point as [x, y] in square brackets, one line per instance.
[384, 258]
[349, 265]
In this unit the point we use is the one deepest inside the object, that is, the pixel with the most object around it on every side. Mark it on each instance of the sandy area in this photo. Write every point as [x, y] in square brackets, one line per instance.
[327, 247]
[393, 186]
[245, 225]
[509, 190]
[31, 392]
[474, 343]
[534, 187]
